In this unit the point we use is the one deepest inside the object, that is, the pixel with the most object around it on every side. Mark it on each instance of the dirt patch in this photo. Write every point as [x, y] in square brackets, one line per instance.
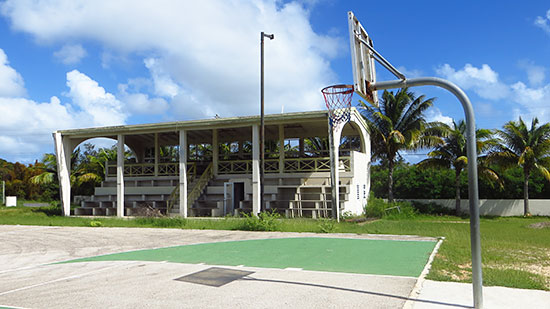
[367, 221]
[540, 225]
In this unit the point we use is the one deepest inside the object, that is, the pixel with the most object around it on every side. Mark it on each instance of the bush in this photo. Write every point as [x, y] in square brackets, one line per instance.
[327, 225]
[378, 208]
[265, 221]
[96, 223]
[432, 209]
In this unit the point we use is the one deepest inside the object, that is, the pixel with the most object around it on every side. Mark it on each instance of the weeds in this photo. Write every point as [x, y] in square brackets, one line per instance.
[327, 225]
[265, 221]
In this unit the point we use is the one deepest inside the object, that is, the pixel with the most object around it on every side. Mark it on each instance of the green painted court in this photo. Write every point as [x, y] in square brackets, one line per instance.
[362, 256]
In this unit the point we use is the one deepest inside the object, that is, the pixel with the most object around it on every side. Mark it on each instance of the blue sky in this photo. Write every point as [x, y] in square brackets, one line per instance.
[71, 64]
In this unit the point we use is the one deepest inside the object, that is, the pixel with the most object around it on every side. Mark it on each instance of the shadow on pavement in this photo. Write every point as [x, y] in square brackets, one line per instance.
[356, 291]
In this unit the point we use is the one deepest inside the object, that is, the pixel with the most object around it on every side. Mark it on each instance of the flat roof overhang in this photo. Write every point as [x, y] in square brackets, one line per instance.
[296, 125]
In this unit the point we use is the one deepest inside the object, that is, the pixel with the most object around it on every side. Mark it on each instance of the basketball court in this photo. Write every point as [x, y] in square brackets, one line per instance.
[132, 267]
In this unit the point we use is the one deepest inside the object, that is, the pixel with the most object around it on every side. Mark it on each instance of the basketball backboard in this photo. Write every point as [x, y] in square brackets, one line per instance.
[362, 59]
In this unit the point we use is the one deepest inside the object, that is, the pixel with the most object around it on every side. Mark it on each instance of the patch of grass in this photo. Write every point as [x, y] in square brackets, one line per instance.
[512, 278]
[513, 253]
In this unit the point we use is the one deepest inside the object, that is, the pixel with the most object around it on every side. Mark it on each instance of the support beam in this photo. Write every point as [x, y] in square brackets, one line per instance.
[183, 173]
[255, 169]
[157, 154]
[63, 155]
[215, 151]
[281, 149]
[120, 176]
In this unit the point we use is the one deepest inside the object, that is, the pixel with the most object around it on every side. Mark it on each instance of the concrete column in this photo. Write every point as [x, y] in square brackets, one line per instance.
[255, 169]
[215, 151]
[183, 173]
[120, 177]
[157, 154]
[63, 155]
[301, 147]
[281, 149]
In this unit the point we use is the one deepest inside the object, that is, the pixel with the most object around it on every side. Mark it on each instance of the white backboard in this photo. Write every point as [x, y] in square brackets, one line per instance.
[362, 60]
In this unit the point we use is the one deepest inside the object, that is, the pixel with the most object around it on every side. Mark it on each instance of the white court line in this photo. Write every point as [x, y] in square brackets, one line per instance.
[62, 279]
[415, 292]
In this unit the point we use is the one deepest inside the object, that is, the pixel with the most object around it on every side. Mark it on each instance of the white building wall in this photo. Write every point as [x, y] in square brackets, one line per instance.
[360, 183]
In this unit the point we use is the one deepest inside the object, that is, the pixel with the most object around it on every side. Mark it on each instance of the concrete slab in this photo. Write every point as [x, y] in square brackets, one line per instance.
[27, 279]
[153, 285]
[436, 294]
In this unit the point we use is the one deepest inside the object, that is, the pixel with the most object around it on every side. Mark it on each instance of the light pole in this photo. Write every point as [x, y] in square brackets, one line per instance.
[262, 126]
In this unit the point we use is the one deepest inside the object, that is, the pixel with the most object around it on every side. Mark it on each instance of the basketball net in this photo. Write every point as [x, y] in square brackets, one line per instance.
[338, 101]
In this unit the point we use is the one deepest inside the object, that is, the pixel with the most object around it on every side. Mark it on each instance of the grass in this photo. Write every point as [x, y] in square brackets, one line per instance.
[513, 254]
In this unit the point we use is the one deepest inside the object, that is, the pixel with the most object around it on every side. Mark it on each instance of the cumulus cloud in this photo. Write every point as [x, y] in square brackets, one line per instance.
[535, 73]
[102, 107]
[70, 54]
[210, 59]
[434, 114]
[140, 103]
[533, 100]
[544, 22]
[26, 125]
[164, 85]
[483, 81]
[11, 82]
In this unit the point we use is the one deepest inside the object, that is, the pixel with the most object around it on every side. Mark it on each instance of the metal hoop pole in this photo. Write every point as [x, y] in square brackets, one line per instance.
[473, 194]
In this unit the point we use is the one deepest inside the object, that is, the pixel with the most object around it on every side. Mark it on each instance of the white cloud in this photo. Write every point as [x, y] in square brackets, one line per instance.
[535, 74]
[140, 103]
[535, 101]
[70, 54]
[209, 58]
[410, 73]
[434, 114]
[11, 82]
[164, 85]
[102, 107]
[483, 81]
[26, 126]
[544, 22]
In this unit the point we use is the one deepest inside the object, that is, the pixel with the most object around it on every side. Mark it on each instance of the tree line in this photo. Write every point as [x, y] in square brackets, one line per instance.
[516, 152]
[398, 124]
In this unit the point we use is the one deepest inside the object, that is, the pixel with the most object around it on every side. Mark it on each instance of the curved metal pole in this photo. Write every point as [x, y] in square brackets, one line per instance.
[472, 168]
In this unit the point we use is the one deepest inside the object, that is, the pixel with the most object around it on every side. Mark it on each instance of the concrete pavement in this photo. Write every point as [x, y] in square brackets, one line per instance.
[27, 279]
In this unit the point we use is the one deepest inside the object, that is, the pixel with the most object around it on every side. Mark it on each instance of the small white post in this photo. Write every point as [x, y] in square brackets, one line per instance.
[255, 169]
[183, 173]
[120, 176]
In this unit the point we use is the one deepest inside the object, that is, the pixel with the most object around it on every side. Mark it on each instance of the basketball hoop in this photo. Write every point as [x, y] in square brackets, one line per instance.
[338, 100]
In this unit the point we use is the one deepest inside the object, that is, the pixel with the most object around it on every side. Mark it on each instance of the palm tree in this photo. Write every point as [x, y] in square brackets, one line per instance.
[452, 153]
[398, 124]
[528, 148]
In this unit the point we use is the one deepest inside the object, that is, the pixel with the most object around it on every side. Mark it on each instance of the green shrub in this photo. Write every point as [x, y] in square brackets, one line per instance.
[96, 223]
[378, 208]
[265, 221]
[432, 208]
[327, 225]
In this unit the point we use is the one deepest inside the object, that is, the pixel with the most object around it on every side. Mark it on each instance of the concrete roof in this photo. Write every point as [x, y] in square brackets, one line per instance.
[202, 124]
